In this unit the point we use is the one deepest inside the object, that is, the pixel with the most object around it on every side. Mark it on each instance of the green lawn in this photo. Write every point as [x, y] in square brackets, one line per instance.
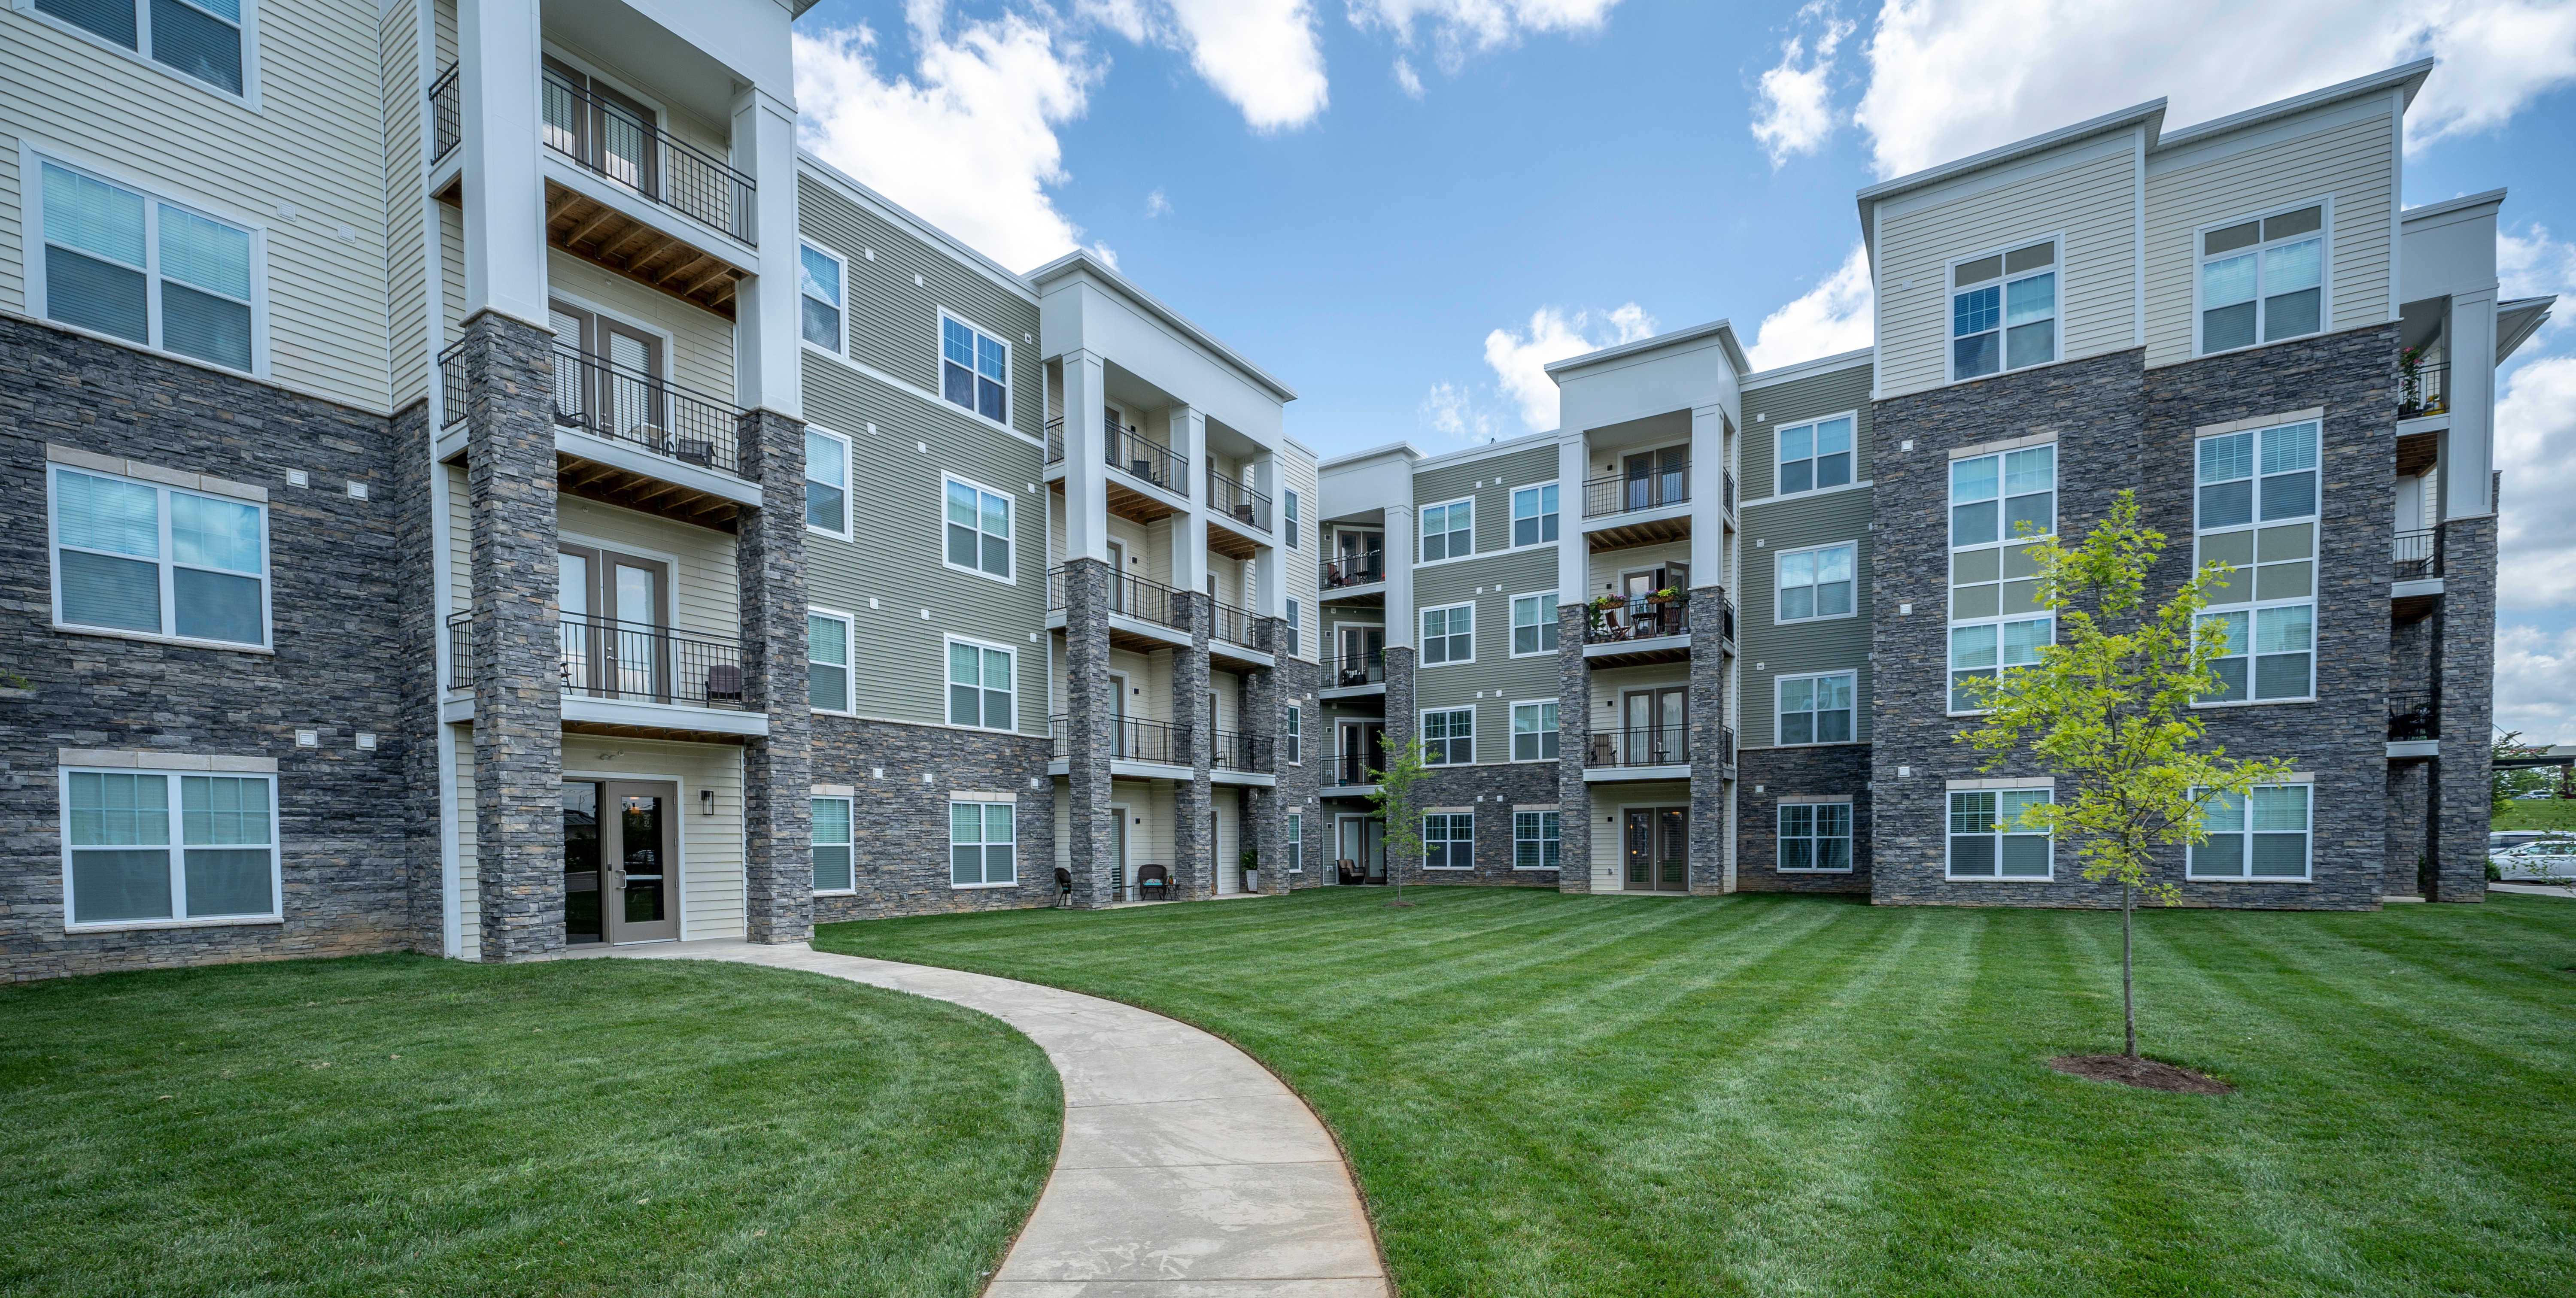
[2537, 813]
[1548, 1095]
[401, 1125]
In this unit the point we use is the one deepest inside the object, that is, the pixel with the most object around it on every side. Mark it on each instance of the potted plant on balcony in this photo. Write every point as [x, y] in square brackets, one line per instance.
[1665, 596]
[1599, 608]
[2410, 378]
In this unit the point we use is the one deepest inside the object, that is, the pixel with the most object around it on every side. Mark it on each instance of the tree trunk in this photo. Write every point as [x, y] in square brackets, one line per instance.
[2128, 984]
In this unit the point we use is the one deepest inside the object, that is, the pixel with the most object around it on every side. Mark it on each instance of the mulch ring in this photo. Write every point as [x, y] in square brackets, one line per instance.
[2147, 1074]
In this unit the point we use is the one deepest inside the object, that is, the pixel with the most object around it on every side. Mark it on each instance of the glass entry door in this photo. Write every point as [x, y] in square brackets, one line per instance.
[621, 866]
[581, 864]
[1657, 849]
[1362, 850]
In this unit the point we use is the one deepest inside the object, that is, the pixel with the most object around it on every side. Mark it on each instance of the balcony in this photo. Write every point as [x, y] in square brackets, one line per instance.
[1630, 749]
[1241, 504]
[2416, 555]
[2424, 392]
[1138, 459]
[1240, 753]
[637, 663]
[1637, 632]
[2413, 716]
[1351, 771]
[1641, 508]
[635, 408]
[1230, 637]
[447, 123]
[1131, 739]
[460, 649]
[613, 143]
[1353, 672]
[1133, 598]
[1352, 570]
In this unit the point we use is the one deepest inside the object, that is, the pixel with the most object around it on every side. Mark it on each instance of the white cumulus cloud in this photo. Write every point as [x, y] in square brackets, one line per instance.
[1449, 408]
[1156, 204]
[1796, 113]
[1520, 363]
[1264, 56]
[2536, 448]
[1452, 29]
[2535, 684]
[1829, 319]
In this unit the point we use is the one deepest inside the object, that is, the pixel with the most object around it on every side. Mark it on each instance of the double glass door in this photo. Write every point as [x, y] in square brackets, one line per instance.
[1655, 726]
[616, 390]
[621, 876]
[615, 611]
[1362, 850]
[1657, 477]
[1657, 844]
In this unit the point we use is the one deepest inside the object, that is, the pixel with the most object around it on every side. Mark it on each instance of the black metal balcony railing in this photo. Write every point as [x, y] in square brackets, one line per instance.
[451, 386]
[1652, 746]
[1153, 462]
[1146, 601]
[640, 663]
[1624, 494]
[1637, 619]
[1237, 751]
[1131, 739]
[1055, 440]
[1726, 756]
[1354, 570]
[2417, 554]
[2427, 391]
[629, 405]
[1238, 502]
[2413, 714]
[447, 124]
[1730, 492]
[460, 649]
[1350, 771]
[1728, 629]
[1231, 625]
[612, 142]
[1352, 671]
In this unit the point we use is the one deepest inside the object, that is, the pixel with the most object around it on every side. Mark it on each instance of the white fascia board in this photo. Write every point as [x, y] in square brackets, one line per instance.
[2493, 198]
[1724, 330]
[2409, 76]
[1391, 448]
[1809, 369]
[1081, 262]
[895, 212]
[1549, 438]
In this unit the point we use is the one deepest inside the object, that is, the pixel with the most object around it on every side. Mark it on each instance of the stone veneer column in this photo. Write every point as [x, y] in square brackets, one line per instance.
[422, 608]
[2464, 657]
[1193, 745]
[518, 704]
[777, 768]
[1263, 715]
[1090, 713]
[1573, 742]
[1401, 726]
[1710, 824]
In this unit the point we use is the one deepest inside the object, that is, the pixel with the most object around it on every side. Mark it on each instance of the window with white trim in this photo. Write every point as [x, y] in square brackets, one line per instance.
[1448, 531]
[1449, 634]
[2257, 513]
[979, 528]
[2003, 311]
[131, 265]
[1816, 709]
[149, 846]
[1296, 630]
[819, 277]
[1449, 840]
[1534, 624]
[1534, 836]
[1987, 840]
[202, 39]
[1816, 583]
[1296, 734]
[1449, 737]
[140, 556]
[981, 839]
[1998, 504]
[1534, 731]
[1816, 837]
[832, 845]
[1534, 516]
[2263, 280]
[980, 687]
[1288, 511]
[1296, 842]
[827, 482]
[974, 369]
[827, 662]
[2264, 835]
[1814, 456]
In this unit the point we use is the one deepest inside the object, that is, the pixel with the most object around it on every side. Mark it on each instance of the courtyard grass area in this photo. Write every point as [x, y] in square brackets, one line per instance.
[2537, 813]
[1546, 1095]
[402, 1125]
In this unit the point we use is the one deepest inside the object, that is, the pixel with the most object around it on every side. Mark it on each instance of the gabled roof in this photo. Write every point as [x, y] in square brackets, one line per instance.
[1723, 330]
[1081, 260]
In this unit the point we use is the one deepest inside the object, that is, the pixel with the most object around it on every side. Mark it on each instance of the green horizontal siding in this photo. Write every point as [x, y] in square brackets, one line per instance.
[1502, 678]
[1771, 651]
[1477, 477]
[1796, 402]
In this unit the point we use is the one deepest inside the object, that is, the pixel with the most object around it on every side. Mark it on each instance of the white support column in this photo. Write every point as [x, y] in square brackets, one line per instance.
[1189, 528]
[1266, 562]
[2468, 449]
[505, 193]
[1400, 537]
[1086, 463]
[1573, 552]
[768, 362]
[1708, 496]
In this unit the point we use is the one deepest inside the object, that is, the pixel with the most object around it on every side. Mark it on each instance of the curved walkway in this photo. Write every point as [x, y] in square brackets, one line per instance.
[1186, 1170]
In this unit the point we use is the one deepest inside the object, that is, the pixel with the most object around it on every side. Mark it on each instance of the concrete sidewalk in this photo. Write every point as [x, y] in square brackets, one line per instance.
[1186, 1171]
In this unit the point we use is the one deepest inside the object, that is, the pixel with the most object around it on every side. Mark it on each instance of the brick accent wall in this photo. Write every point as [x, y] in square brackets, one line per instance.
[769, 558]
[2467, 684]
[1762, 776]
[899, 822]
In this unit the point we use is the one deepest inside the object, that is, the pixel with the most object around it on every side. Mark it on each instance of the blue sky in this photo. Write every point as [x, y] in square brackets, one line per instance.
[1403, 208]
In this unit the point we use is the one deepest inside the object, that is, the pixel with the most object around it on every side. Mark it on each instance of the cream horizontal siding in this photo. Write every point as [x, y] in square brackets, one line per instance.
[2352, 163]
[1609, 830]
[460, 540]
[711, 848]
[443, 17]
[1301, 566]
[2093, 203]
[406, 262]
[13, 279]
[469, 901]
[451, 277]
[700, 341]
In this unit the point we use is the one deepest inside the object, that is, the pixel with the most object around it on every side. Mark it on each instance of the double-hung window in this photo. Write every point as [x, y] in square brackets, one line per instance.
[197, 38]
[1815, 456]
[2263, 280]
[1296, 630]
[1816, 837]
[1448, 531]
[1816, 709]
[2257, 512]
[1988, 840]
[1534, 624]
[1534, 840]
[1816, 583]
[981, 836]
[827, 661]
[122, 863]
[1534, 732]
[819, 276]
[1296, 720]
[2264, 835]
[1449, 840]
[827, 482]
[1296, 843]
[1534, 518]
[1449, 737]
[980, 686]
[832, 845]
[140, 556]
[1998, 505]
[979, 528]
[974, 369]
[1449, 634]
[122, 263]
[2003, 311]
[1288, 510]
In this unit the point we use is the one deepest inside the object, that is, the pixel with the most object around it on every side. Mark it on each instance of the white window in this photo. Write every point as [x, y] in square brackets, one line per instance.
[1449, 634]
[1449, 737]
[1816, 837]
[2263, 280]
[1816, 583]
[201, 39]
[1534, 624]
[1296, 843]
[132, 266]
[1288, 507]
[1449, 840]
[827, 482]
[827, 662]
[1296, 630]
[2003, 311]
[819, 277]
[1448, 531]
[1534, 518]
[1816, 709]
[1296, 734]
[979, 528]
[139, 556]
[123, 865]
[980, 838]
[1986, 837]
[2257, 513]
[980, 686]
[1814, 456]
[2264, 835]
[1998, 504]
[832, 845]
[1534, 731]
[974, 369]
[1534, 840]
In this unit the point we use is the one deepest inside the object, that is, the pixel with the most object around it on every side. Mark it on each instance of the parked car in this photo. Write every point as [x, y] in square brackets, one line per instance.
[2499, 840]
[2547, 858]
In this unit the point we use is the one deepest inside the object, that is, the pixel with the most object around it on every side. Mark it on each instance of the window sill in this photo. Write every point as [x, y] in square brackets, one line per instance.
[1992, 878]
[1784, 869]
[847, 537]
[2252, 703]
[1447, 869]
[2202, 878]
[1532, 761]
[829, 712]
[978, 572]
[1540, 869]
[148, 637]
[140, 925]
[980, 887]
[840, 892]
[1822, 617]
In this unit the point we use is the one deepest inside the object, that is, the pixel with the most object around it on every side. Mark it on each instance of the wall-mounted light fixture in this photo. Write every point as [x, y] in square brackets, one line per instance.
[706, 802]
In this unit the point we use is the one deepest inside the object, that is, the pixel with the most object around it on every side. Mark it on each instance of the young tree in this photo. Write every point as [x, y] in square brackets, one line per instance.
[1395, 802]
[2107, 709]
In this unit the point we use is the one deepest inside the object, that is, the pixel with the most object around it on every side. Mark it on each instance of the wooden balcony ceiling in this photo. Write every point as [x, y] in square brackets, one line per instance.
[1232, 544]
[1629, 536]
[1669, 653]
[680, 733]
[1122, 638]
[610, 485]
[1136, 506]
[598, 233]
[2417, 452]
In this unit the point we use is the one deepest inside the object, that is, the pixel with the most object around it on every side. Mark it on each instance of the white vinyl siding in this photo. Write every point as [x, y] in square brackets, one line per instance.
[697, 346]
